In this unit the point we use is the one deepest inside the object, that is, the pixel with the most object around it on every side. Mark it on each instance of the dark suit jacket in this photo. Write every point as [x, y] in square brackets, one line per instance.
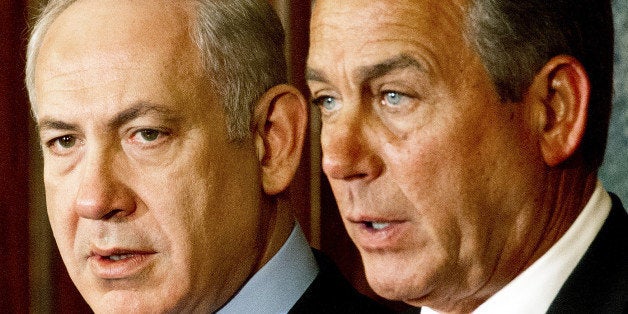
[330, 292]
[599, 283]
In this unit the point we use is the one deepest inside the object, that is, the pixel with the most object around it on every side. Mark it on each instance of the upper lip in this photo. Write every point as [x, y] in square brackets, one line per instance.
[363, 218]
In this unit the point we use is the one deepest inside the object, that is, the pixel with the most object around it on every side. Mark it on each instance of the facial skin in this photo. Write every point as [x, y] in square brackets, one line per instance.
[152, 207]
[436, 180]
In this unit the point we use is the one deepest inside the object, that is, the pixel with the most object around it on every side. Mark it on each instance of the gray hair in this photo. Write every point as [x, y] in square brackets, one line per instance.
[241, 45]
[515, 38]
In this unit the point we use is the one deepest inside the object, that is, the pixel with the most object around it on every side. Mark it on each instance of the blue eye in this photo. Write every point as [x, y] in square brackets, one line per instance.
[393, 98]
[327, 103]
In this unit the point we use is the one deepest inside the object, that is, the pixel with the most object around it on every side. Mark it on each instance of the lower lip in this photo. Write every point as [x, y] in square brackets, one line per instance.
[388, 238]
[105, 268]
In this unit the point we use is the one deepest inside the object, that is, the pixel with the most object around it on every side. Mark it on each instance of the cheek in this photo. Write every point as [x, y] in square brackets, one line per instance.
[342, 194]
[63, 219]
[438, 177]
[425, 171]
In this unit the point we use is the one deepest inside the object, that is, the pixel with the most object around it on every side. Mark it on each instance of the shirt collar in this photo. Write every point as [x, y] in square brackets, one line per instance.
[279, 284]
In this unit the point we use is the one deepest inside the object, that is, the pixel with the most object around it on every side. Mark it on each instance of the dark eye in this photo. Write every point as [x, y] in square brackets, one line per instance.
[149, 135]
[66, 141]
[62, 145]
[148, 138]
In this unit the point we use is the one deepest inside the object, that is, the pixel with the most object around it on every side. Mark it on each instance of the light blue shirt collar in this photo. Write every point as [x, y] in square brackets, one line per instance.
[279, 284]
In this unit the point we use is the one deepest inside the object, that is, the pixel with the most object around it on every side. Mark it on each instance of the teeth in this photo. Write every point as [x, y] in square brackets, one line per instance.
[119, 257]
[379, 225]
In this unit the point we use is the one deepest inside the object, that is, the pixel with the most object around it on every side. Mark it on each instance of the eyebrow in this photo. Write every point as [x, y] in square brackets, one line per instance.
[49, 124]
[399, 62]
[314, 75]
[369, 72]
[138, 109]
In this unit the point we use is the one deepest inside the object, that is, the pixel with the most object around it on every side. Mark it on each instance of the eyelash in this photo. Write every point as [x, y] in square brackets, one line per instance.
[320, 101]
[161, 135]
[56, 147]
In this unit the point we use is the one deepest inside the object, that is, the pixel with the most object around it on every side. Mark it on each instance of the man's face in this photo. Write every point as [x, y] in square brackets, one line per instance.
[430, 170]
[151, 206]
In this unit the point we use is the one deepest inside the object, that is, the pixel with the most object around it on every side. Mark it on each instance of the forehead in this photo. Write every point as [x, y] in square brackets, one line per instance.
[123, 19]
[94, 33]
[380, 28]
[397, 14]
[117, 50]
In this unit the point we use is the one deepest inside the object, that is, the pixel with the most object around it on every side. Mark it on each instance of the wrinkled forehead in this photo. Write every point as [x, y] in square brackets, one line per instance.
[356, 32]
[370, 15]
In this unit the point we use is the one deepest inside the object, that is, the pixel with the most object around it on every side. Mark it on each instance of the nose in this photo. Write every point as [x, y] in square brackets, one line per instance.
[348, 152]
[101, 194]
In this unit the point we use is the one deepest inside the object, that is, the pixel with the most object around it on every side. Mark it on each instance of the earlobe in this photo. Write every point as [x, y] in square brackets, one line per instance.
[280, 121]
[561, 91]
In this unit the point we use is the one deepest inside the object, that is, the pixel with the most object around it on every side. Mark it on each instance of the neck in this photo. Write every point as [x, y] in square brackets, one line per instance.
[280, 222]
[565, 194]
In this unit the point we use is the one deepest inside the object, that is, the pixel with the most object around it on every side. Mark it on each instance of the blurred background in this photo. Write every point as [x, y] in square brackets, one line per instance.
[32, 276]
[614, 172]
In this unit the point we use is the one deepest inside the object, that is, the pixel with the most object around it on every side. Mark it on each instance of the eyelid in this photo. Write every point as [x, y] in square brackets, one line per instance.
[385, 93]
[317, 101]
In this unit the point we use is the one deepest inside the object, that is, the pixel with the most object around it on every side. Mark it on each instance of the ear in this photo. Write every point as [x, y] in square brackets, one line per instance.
[280, 121]
[560, 92]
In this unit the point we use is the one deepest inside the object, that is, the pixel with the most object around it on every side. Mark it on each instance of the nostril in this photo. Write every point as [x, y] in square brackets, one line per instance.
[111, 214]
[357, 176]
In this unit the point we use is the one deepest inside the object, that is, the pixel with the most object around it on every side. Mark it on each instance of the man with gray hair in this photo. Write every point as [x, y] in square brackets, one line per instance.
[462, 140]
[168, 135]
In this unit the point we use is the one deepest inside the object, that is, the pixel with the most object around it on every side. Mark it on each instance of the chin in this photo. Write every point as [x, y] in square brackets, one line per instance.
[394, 279]
[131, 302]
[390, 288]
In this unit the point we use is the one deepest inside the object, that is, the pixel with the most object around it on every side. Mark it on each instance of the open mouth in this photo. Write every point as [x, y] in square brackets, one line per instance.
[376, 225]
[118, 257]
[119, 264]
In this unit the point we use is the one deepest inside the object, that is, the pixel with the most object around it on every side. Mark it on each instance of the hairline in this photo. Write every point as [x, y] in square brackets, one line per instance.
[237, 88]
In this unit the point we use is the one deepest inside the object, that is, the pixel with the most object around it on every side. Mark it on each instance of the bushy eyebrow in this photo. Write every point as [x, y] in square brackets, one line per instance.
[50, 124]
[369, 72]
[314, 75]
[399, 62]
[139, 109]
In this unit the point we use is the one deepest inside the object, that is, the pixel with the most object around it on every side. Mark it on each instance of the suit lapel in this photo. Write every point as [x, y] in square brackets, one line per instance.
[599, 283]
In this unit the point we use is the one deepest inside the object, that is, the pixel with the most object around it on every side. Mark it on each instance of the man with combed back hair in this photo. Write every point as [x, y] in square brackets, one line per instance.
[169, 135]
[462, 140]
